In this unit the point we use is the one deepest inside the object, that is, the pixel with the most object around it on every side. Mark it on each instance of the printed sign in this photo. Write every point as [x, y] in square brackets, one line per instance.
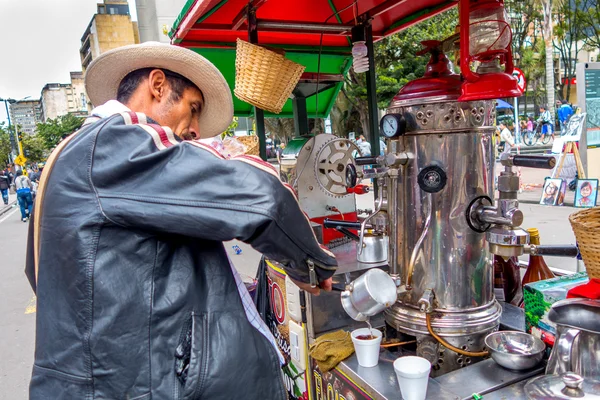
[20, 160]
[277, 320]
[521, 82]
[334, 385]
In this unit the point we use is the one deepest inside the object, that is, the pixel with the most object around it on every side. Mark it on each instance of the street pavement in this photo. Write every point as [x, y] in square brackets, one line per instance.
[17, 304]
[17, 314]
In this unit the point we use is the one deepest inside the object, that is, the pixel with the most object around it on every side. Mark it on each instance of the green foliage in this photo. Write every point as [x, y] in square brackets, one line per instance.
[589, 24]
[34, 148]
[396, 56]
[396, 64]
[5, 148]
[53, 131]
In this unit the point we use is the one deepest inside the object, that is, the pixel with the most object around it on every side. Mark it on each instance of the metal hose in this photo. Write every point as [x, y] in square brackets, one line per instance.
[449, 346]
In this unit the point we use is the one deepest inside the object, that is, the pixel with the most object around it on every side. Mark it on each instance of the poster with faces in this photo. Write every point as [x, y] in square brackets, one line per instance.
[574, 128]
[586, 193]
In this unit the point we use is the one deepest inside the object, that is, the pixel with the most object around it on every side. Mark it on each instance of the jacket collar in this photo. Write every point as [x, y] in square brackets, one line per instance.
[113, 107]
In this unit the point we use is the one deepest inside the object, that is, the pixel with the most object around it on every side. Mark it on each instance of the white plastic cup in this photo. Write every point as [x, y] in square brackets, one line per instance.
[413, 376]
[367, 351]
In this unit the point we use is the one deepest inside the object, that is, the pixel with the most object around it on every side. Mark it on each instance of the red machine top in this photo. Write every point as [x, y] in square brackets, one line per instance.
[438, 84]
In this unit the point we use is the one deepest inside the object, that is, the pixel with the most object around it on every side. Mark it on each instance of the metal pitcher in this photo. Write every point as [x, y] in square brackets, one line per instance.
[577, 345]
[369, 294]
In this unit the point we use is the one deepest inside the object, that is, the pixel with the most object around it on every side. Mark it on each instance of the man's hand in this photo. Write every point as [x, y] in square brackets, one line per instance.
[325, 285]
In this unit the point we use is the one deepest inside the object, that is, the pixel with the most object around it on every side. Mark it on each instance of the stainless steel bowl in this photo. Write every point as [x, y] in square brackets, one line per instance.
[515, 350]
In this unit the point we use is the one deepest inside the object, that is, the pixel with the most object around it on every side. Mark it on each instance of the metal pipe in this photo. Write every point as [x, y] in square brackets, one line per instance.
[413, 256]
[492, 217]
[284, 25]
[393, 226]
[363, 225]
[259, 114]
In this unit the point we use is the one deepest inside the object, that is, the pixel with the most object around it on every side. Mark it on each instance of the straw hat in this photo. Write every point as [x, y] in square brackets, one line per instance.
[105, 73]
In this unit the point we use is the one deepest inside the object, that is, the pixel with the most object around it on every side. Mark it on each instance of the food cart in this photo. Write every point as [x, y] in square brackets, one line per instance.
[434, 226]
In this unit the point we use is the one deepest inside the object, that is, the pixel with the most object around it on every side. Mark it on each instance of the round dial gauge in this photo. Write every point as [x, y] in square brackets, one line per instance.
[392, 125]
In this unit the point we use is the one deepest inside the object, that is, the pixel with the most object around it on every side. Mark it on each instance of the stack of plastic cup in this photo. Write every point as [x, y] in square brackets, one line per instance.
[413, 376]
[367, 351]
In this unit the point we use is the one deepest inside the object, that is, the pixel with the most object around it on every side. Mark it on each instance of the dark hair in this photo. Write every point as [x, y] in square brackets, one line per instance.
[19, 172]
[586, 185]
[564, 102]
[133, 79]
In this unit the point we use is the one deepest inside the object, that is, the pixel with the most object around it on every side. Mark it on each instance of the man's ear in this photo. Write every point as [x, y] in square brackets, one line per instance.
[157, 83]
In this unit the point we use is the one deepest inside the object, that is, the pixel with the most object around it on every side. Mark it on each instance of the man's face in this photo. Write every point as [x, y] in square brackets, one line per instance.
[181, 115]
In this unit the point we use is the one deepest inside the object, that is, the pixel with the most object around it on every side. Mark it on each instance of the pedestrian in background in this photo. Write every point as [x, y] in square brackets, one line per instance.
[506, 137]
[546, 121]
[529, 124]
[364, 146]
[23, 186]
[382, 147]
[5, 181]
[564, 113]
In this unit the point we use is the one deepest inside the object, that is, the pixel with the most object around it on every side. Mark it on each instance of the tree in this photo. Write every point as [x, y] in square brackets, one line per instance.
[280, 128]
[568, 34]
[54, 130]
[589, 25]
[34, 148]
[5, 147]
[548, 38]
[396, 64]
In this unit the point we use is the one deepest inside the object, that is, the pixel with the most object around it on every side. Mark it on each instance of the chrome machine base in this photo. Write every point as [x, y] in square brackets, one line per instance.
[465, 330]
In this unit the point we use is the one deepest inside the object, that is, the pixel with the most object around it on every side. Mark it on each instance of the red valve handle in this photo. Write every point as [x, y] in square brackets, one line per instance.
[359, 189]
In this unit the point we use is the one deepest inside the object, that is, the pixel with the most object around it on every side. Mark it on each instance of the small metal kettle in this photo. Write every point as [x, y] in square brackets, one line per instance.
[369, 294]
[577, 345]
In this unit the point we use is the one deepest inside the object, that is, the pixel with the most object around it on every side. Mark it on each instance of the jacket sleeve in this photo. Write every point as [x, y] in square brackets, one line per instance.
[189, 190]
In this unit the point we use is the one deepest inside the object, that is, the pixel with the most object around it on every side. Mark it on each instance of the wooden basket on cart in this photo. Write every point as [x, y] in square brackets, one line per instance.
[586, 225]
[263, 77]
[251, 143]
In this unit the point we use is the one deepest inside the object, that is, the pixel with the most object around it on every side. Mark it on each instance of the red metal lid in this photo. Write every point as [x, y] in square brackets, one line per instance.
[439, 83]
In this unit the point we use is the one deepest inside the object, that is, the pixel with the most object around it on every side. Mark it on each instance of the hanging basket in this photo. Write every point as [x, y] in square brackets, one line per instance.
[263, 77]
[586, 225]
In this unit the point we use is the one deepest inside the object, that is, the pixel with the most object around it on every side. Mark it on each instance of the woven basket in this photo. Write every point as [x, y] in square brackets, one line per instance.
[251, 143]
[263, 77]
[586, 225]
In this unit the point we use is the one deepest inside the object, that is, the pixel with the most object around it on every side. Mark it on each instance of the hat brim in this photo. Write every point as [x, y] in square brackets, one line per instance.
[105, 73]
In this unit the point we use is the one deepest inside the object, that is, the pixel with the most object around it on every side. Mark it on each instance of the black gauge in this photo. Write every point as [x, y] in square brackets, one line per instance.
[393, 125]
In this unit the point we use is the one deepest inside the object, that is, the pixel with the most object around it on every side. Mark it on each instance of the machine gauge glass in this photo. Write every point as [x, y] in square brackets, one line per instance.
[389, 126]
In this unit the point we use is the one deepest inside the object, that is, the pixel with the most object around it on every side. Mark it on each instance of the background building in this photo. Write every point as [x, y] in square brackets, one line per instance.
[110, 28]
[63, 98]
[26, 113]
[154, 15]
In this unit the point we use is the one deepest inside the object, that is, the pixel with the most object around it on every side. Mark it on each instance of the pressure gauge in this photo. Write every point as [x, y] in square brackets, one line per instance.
[393, 125]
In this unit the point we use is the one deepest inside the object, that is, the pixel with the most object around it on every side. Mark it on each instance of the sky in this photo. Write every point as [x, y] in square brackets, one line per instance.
[40, 43]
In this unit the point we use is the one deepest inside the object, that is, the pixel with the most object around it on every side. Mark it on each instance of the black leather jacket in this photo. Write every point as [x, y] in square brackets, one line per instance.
[135, 295]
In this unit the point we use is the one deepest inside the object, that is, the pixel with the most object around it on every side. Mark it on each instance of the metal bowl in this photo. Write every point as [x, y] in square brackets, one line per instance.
[515, 350]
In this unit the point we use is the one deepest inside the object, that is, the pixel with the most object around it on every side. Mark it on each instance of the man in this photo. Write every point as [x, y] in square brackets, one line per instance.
[506, 137]
[280, 149]
[136, 298]
[364, 146]
[564, 113]
[24, 196]
[5, 181]
[546, 121]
